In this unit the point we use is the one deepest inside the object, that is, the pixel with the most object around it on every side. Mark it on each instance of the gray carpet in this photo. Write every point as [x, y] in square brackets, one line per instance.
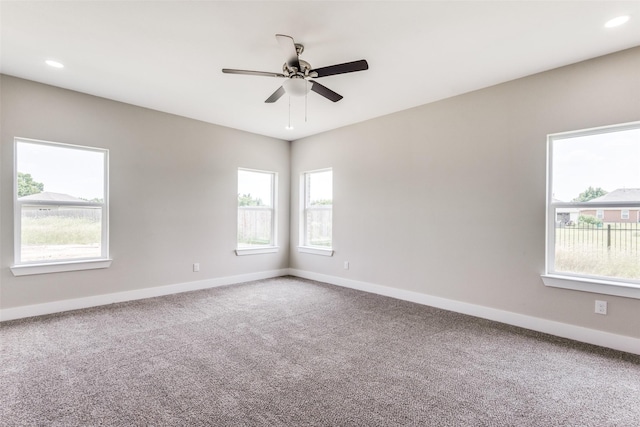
[292, 352]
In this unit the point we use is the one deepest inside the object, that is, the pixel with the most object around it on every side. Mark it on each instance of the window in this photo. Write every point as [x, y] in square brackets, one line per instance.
[594, 175]
[317, 209]
[61, 207]
[256, 212]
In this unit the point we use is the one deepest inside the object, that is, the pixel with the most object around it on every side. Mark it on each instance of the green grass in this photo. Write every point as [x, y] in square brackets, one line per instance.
[584, 256]
[247, 240]
[55, 230]
[589, 250]
[323, 242]
[613, 264]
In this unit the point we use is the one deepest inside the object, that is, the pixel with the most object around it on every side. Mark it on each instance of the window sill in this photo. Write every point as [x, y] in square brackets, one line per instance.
[605, 287]
[256, 251]
[58, 267]
[315, 251]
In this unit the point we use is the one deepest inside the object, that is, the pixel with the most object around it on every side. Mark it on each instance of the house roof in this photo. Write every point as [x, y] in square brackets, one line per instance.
[620, 195]
[48, 196]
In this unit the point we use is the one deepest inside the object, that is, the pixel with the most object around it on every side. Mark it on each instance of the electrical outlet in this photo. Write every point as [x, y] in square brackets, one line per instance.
[346, 265]
[601, 307]
[196, 267]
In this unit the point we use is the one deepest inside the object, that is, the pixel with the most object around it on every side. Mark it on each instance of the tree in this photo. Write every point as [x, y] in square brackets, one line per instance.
[590, 194]
[27, 186]
[248, 200]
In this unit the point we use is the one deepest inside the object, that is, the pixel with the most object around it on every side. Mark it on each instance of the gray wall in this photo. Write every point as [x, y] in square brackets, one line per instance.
[173, 185]
[448, 199]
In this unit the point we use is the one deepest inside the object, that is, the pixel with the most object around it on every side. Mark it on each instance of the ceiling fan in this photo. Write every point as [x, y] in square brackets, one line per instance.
[299, 73]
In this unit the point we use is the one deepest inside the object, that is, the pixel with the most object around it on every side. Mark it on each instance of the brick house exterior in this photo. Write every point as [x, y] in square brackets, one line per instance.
[630, 215]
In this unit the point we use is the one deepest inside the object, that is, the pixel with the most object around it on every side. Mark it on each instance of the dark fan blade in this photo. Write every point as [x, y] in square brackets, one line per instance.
[288, 46]
[275, 95]
[347, 67]
[326, 92]
[252, 73]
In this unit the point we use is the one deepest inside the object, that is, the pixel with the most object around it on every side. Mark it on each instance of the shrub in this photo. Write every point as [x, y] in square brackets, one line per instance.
[591, 220]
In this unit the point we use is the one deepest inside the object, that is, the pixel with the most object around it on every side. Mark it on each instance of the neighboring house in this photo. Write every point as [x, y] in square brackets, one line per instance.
[616, 214]
[566, 216]
[47, 196]
[48, 203]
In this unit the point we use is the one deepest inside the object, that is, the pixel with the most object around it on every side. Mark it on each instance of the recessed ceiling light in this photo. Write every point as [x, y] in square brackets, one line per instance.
[616, 21]
[54, 64]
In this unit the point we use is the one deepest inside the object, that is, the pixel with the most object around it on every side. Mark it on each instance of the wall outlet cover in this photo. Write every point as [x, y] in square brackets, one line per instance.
[601, 307]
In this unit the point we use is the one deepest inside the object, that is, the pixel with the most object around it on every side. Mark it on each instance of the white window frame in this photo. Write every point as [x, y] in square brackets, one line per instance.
[22, 268]
[600, 214]
[304, 245]
[602, 285]
[272, 247]
[624, 214]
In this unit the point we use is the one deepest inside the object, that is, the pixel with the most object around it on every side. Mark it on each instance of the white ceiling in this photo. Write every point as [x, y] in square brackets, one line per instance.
[168, 55]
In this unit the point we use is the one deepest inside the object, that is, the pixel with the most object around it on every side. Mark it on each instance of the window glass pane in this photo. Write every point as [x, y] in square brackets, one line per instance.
[318, 208]
[255, 208]
[255, 188]
[254, 227]
[598, 173]
[320, 188]
[68, 171]
[319, 227]
[53, 182]
[587, 245]
[604, 161]
[60, 233]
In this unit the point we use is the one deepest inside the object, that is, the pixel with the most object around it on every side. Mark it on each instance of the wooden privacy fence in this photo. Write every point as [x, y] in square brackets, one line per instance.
[254, 225]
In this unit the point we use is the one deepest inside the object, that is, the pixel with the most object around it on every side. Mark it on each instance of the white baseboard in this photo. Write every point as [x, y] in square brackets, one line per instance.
[93, 301]
[578, 333]
[564, 330]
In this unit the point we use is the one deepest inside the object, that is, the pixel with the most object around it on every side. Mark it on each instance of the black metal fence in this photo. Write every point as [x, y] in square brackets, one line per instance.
[607, 237]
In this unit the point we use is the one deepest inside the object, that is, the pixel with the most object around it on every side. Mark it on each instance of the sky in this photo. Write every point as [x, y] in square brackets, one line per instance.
[80, 173]
[607, 160]
[257, 184]
[321, 186]
[76, 172]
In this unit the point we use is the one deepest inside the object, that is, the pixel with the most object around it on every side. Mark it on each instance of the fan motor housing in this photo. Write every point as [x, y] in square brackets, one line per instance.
[305, 67]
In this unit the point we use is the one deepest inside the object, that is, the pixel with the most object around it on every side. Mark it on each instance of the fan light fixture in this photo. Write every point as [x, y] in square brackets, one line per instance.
[296, 86]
